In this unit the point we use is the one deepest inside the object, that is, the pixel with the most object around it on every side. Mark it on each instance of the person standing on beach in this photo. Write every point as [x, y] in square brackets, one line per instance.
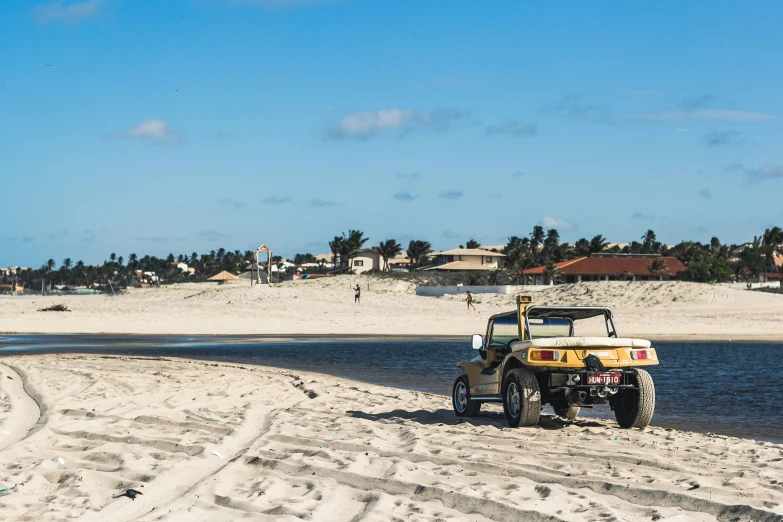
[470, 301]
[358, 294]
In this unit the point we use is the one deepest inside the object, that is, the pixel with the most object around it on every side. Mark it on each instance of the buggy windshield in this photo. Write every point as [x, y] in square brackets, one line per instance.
[506, 329]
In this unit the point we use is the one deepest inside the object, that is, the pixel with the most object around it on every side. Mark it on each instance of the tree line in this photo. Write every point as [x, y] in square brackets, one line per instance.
[705, 262]
[346, 247]
[120, 271]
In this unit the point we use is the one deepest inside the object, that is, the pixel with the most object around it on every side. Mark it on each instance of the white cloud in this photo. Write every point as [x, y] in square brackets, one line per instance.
[451, 194]
[212, 235]
[369, 123]
[643, 216]
[152, 130]
[404, 196]
[705, 115]
[756, 174]
[768, 172]
[275, 200]
[59, 10]
[553, 222]
[718, 138]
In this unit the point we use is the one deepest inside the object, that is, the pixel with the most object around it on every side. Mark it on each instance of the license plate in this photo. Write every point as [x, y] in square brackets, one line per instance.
[605, 378]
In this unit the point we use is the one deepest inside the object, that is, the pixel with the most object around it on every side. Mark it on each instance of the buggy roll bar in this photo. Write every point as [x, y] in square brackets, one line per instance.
[526, 310]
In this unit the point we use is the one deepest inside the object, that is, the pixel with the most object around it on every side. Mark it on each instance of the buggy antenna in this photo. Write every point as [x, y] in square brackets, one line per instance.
[523, 302]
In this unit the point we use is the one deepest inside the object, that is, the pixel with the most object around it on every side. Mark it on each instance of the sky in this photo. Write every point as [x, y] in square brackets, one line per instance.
[188, 125]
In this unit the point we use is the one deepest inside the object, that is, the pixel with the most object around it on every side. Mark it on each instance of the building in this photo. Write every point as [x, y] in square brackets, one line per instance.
[608, 267]
[183, 267]
[12, 271]
[370, 260]
[466, 259]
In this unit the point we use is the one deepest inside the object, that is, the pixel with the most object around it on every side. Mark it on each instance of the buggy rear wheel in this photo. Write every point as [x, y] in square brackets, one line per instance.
[460, 399]
[521, 398]
[634, 408]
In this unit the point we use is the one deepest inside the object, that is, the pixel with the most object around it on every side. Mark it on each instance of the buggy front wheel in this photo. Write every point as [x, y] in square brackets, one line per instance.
[460, 399]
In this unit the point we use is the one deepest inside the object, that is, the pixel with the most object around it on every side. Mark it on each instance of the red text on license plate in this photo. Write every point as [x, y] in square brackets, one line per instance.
[606, 378]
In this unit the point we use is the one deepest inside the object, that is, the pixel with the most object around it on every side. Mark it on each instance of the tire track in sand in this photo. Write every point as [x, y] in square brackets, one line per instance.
[25, 412]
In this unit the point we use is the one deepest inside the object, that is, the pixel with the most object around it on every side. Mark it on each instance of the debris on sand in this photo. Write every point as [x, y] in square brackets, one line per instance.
[131, 494]
[55, 308]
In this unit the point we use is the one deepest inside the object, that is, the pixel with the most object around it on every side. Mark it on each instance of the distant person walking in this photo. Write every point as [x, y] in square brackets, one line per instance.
[470, 301]
[358, 295]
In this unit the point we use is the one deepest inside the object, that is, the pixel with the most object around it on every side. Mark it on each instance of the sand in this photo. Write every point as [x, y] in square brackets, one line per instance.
[654, 310]
[222, 442]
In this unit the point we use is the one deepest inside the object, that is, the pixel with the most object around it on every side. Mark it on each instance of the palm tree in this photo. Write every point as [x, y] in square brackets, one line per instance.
[598, 244]
[582, 247]
[417, 250]
[515, 242]
[79, 269]
[549, 273]
[67, 263]
[550, 244]
[657, 267]
[50, 265]
[472, 243]
[336, 246]
[771, 242]
[120, 260]
[518, 261]
[348, 246]
[536, 240]
[388, 249]
[648, 241]
[752, 258]
[113, 257]
[133, 259]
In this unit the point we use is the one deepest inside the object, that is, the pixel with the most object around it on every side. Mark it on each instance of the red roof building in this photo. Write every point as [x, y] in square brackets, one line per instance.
[609, 267]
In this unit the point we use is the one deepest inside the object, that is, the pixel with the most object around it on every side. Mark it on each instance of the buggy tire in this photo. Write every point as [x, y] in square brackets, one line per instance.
[566, 411]
[460, 399]
[634, 408]
[521, 398]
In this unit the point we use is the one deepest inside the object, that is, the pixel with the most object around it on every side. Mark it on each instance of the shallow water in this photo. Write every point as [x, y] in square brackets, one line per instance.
[732, 388]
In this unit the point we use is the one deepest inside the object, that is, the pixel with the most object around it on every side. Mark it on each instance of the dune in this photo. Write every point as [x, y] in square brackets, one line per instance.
[223, 442]
[656, 310]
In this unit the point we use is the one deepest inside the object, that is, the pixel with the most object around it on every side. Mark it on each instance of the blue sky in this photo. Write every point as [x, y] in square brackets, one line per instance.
[186, 125]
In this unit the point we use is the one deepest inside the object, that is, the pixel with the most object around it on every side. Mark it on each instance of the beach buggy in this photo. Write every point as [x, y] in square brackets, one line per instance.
[530, 357]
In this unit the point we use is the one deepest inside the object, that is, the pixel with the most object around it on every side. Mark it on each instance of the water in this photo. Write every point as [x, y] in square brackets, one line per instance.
[731, 388]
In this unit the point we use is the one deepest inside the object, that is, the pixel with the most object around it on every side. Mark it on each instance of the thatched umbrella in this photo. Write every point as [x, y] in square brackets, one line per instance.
[223, 277]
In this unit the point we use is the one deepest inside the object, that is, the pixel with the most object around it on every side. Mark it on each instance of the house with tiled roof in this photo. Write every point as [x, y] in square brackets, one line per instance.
[466, 259]
[609, 267]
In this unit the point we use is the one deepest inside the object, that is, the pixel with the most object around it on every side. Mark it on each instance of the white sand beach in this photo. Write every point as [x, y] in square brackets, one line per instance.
[222, 442]
[655, 310]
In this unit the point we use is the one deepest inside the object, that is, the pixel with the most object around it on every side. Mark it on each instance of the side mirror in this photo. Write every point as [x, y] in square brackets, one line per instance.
[477, 342]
